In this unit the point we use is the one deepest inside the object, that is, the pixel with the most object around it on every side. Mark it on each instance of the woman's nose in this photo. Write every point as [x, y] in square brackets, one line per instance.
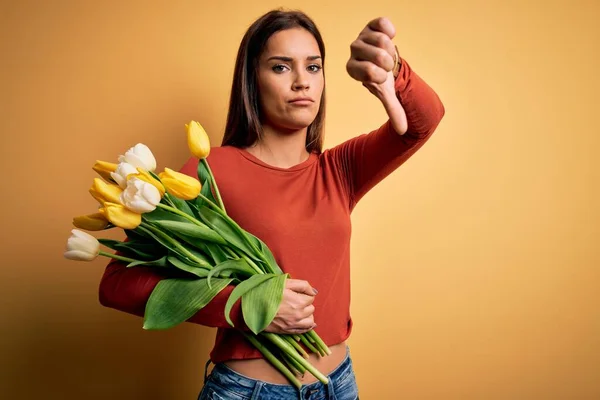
[301, 82]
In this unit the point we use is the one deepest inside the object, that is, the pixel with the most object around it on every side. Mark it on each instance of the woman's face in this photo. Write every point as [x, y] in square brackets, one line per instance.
[290, 80]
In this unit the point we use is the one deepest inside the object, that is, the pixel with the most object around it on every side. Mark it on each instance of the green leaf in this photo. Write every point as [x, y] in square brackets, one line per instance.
[191, 231]
[260, 304]
[161, 262]
[180, 204]
[174, 301]
[109, 243]
[135, 234]
[134, 248]
[216, 252]
[160, 214]
[264, 249]
[241, 289]
[203, 174]
[140, 249]
[205, 260]
[184, 266]
[240, 266]
[207, 191]
[224, 228]
[165, 243]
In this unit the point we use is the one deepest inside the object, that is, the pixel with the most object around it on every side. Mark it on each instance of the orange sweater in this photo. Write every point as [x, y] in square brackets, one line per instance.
[302, 213]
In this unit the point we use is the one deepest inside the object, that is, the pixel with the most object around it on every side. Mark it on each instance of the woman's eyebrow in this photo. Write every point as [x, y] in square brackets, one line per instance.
[288, 59]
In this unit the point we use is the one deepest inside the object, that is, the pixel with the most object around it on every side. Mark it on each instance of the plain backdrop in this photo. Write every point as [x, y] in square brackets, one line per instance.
[475, 266]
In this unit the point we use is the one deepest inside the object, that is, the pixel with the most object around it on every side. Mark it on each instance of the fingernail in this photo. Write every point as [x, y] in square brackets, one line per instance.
[315, 290]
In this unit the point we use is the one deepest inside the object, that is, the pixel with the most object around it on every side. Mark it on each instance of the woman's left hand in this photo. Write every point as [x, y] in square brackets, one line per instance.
[372, 62]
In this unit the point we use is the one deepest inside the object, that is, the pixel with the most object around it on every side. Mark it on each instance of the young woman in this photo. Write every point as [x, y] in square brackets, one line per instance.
[278, 183]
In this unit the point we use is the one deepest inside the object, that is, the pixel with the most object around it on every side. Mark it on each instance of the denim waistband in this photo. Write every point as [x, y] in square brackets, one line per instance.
[248, 387]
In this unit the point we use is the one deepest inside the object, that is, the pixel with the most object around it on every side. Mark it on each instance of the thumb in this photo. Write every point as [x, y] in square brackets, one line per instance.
[300, 286]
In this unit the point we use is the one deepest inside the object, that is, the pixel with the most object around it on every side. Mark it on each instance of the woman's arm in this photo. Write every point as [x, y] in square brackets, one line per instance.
[373, 58]
[414, 111]
[128, 289]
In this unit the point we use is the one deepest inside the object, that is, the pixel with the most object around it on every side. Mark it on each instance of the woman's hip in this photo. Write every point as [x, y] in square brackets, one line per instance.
[226, 384]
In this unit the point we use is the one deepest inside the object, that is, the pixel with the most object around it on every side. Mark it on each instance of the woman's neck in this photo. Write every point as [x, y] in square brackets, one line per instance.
[282, 150]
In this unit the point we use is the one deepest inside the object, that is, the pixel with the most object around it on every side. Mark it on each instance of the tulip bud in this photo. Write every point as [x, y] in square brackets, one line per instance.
[180, 185]
[146, 177]
[91, 222]
[197, 139]
[139, 156]
[120, 216]
[104, 169]
[121, 172]
[139, 196]
[104, 192]
[82, 246]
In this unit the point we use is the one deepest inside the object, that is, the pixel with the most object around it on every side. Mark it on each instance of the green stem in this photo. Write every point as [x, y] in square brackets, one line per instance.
[231, 253]
[235, 256]
[253, 265]
[153, 231]
[213, 205]
[242, 233]
[213, 184]
[290, 351]
[310, 346]
[231, 222]
[271, 357]
[167, 197]
[290, 361]
[234, 225]
[180, 213]
[295, 345]
[318, 341]
[286, 361]
[116, 257]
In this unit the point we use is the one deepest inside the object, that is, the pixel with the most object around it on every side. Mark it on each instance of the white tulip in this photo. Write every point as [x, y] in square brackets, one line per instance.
[120, 174]
[82, 246]
[140, 196]
[140, 156]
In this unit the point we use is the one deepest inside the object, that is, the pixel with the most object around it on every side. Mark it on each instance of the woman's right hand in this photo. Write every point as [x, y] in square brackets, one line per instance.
[295, 314]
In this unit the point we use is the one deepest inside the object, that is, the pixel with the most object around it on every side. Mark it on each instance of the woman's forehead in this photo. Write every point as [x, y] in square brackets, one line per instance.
[294, 43]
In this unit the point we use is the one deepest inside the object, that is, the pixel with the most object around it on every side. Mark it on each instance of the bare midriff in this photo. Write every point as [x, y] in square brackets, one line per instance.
[260, 369]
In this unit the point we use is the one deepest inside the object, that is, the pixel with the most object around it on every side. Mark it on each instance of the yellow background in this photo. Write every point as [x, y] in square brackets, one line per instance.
[475, 265]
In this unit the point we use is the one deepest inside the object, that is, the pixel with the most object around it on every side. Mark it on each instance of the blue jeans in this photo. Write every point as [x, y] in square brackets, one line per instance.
[223, 383]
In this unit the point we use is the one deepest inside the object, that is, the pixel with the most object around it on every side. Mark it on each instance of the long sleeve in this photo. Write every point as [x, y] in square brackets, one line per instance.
[367, 159]
[128, 290]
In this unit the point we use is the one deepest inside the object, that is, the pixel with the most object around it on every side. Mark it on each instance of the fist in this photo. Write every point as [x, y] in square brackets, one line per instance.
[372, 54]
[295, 314]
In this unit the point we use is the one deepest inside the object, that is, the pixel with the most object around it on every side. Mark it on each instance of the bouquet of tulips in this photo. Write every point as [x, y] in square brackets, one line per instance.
[175, 222]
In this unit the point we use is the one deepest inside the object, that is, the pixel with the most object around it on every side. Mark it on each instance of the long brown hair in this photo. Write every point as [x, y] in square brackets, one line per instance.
[244, 127]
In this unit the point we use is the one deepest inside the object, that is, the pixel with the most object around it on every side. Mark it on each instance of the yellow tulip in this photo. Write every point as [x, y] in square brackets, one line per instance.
[104, 192]
[104, 169]
[91, 222]
[197, 139]
[180, 185]
[143, 175]
[120, 216]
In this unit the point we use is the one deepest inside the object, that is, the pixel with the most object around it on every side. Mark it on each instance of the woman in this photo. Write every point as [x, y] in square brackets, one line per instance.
[278, 184]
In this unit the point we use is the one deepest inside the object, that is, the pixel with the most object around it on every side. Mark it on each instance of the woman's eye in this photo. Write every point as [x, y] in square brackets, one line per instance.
[279, 68]
[314, 68]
